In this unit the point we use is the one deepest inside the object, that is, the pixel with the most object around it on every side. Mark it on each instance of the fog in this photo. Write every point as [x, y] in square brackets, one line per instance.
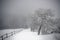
[16, 12]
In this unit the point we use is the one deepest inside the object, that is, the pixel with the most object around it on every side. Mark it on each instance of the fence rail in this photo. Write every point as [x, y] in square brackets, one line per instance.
[4, 36]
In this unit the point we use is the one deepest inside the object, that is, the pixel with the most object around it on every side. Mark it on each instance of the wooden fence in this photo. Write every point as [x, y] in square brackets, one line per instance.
[4, 36]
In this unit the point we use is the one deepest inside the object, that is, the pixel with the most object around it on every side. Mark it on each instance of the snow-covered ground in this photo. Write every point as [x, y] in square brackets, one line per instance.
[26, 34]
[2, 32]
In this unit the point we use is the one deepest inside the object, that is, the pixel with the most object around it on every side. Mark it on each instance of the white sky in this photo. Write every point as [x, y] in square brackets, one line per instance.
[29, 6]
[19, 9]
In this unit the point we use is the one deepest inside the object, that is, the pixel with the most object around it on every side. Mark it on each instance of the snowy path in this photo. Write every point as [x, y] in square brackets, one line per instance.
[26, 34]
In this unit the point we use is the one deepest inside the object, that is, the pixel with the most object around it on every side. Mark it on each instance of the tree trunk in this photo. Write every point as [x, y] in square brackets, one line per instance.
[39, 30]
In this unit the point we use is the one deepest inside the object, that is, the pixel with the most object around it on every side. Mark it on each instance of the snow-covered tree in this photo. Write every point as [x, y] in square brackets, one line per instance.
[42, 21]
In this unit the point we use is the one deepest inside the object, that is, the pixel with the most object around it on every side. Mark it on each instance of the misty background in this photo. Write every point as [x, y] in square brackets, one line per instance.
[17, 13]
